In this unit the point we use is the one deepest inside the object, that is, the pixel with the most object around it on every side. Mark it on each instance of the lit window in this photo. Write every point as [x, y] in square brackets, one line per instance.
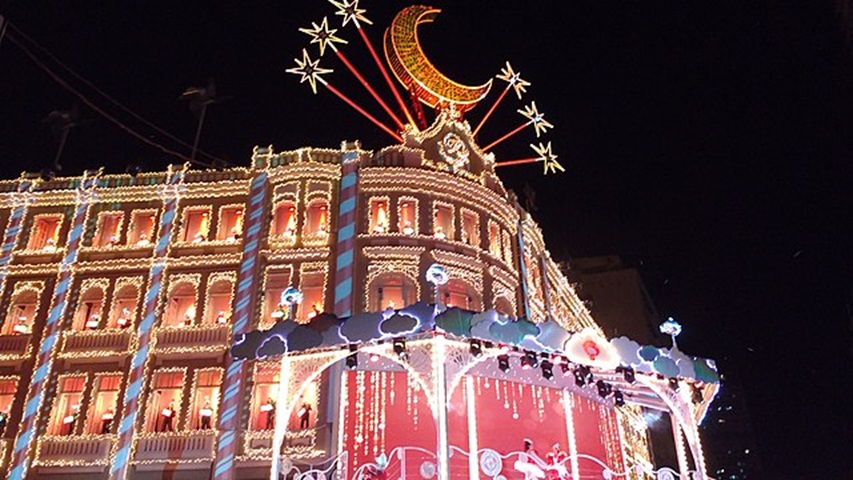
[45, 233]
[391, 290]
[108, 230]
[317, 221]
[284, 223]
[8, 387]
[205, 401]
[495, 240]
[273, 309]
[312, 295]
[304, 414]
[264, 395]
[507, 247]
[181, 309]
[196, 225]
[165, 403]
[141, 228]
[218, 309]
[408, 216]
[124, 307]
[443, 222]
[230, 224]
[470, 228]
[104, 401]
[458, 294]
[89, 310]
[66, 413]
[379, 220]
[19, 319]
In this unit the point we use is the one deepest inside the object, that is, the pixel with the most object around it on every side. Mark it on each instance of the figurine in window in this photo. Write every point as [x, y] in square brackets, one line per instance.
[4, 418]
[279, 313]
[222, 317]
[107, 421]
[124, 319]
[143, 240]
[113, 241]
[407, 228]
[70, 420]
[304, 415]
[93, 322]
[21, 326]
[205, 414]
[189, 316]
[198, 238]
[49, 245]
[316, 309]
[439, 232]
[269, 408]
[167, 415]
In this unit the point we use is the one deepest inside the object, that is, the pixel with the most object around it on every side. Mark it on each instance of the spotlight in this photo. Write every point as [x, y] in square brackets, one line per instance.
[618, 398]
[488, 344]
[352, 358]
[604, 389]
[583, 375]
[476, 348]
[673, 384]
[696, 394]
[399, 346]
[627, 374]
[547, 370]
[565, 368]
[503, 362]
[528, 360]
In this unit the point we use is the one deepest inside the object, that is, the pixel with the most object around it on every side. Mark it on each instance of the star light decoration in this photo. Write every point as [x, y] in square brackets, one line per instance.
[540, 125]
[547, 157]
[323, 35]
[514, 79]
[310, 70]
[350, 11]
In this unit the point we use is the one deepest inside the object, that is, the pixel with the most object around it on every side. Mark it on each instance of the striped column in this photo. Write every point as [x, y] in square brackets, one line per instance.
[522, 271]
[10, 239]
[345, 248]
[236, 371]
[139, 360]
[21, 455]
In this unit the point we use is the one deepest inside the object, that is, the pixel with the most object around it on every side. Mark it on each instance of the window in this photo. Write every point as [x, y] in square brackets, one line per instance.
[312, 295]
[264, 396]
[443, 222]
[45, 233]
[392, 290]
[379, 220]
[181, 310]
[196, 225]
[304, 413]
[230, 224]
[8, 387]
[124, 307]
[470, 228]
[108, 230]
[276, 283]
[407, 212]
[218, 309]
[103, 404]
[141, 231]
[205, 402]
[458, 294]
[19, 319]
[495, 240]
[317, 219]
[89, 310]
[66, 410]
[165, 403]
[284, 223]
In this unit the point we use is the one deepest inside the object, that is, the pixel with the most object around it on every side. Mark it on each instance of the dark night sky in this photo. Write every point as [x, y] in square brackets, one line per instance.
[707, 143]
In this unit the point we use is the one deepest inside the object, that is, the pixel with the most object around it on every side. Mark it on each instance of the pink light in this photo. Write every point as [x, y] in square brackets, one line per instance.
[513, 132]
[489, 113]
[369, 88]
[517, 162]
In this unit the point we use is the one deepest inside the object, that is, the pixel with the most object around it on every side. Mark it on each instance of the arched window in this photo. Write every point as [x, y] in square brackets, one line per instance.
[392, 290]
[407, 211]
[181, 307]
[218, 309]
[495, 239]
[457, 293]
[380, 219]
[123, 309]
[284, 221]
[89, 310]
[21, 314]
[504, 306]
[317, 219]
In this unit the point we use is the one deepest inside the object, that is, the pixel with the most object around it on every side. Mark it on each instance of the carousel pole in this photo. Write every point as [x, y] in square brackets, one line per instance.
[437, 275]
[291, 297]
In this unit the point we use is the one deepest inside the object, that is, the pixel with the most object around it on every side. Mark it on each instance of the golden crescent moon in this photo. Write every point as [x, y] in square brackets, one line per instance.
[412, 68]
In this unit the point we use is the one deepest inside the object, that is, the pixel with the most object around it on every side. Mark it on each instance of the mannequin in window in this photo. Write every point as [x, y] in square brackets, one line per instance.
[70, 420]
[205, 415]
[316, 309]
[124, 319]
[167, 414]
[143, 240]
[107, 421]
[50, 245]
[93, 322]
[189, 316]
[304, 416]
[21, 326]
[221, 318]
[269, 408]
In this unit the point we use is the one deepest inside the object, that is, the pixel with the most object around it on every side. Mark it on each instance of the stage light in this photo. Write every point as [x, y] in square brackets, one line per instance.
[618, 398]
[529, 360]
[566, 368]
[604, 389]
[696, 394]
[488, 344]
[547, 370]
[476, 348]
[399, 346]
[352, 358]
[583, 375]
[627, 374]
[673, 384]
[503, 363]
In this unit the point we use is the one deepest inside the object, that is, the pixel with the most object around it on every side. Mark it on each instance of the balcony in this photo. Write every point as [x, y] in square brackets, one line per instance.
[95, 345]
[193, 447]
[79, 451]
[194, 341]
[300, 444]
[14, 348]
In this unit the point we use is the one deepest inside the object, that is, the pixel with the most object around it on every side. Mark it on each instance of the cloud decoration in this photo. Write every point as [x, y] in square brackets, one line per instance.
[304, 338]
[481, 322]
[552, 336]
[649, 353]
[398, 324]
[323, 322]
[455, 320]
[362, 327]
[705, 370]
[271, 347]
[684, 363]
[628, 350]
[666, 366]
[513, 332]
[423, 312]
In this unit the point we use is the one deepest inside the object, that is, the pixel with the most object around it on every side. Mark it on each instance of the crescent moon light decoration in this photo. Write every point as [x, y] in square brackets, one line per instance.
[412, 68]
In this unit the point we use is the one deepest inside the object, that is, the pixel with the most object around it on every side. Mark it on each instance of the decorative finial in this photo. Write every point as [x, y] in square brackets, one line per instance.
[309, 69]
[514, 79]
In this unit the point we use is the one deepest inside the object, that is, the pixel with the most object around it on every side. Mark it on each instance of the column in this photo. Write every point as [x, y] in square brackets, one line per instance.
[27, 434]
[522, 269]
[13, 231]
[345, 247]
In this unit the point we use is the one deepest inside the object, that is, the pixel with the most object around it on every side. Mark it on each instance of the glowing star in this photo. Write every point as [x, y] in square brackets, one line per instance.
[514, 79]
[531, 113]
[547, 158]
[350, 11]
[323, 35]
[309, 70]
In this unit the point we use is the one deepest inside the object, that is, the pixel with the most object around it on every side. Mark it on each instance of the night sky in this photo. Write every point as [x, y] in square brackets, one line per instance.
[707, 143]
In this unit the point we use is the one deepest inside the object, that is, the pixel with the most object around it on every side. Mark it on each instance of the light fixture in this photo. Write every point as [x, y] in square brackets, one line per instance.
[352, 358]
[604, 389]
[696, 394]
[673, 384]
[583, 375]
[627, 374]
[399, 346]
[503, 362]
[476, 348]
[547, 370]
[618, 398]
